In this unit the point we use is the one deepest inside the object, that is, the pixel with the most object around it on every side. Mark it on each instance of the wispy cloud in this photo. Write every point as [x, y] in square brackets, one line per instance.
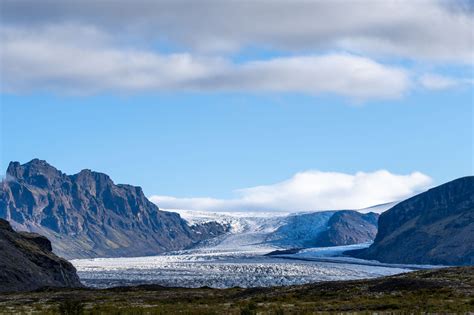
[311, 190]
[441, 82]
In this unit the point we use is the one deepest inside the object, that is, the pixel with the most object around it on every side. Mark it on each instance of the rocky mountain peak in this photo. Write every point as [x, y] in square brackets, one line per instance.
[87, 215]
[91, 181]
[87, 174]
[36, 172]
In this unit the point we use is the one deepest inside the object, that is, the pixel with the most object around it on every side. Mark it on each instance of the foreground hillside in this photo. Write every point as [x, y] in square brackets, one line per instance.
[450, 290]
[434, 227]
[27, 262]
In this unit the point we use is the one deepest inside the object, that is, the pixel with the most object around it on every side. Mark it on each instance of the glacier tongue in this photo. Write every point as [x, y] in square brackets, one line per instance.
[237, 258]
[218, 271]
[259, 230]
[250, 232]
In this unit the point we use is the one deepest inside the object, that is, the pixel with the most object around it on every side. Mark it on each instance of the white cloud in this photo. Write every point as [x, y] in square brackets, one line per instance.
[94, 46]
[440, 82]
[343, 74]
[311, 190]
[47, 59]
[421, 29]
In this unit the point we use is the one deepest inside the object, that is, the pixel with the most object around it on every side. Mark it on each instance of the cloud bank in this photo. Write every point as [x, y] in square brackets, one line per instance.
[422, 29]
[311, 191]
[49, 60]
[315, 46]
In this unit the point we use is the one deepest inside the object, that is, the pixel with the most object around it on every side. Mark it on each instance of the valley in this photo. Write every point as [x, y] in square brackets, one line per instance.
[239, 258]
[121, 246]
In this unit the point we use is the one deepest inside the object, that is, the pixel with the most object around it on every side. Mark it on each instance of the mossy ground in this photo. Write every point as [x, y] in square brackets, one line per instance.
[449, 290]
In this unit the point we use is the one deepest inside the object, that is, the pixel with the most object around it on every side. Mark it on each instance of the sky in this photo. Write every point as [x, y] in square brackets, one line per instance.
[234, 105]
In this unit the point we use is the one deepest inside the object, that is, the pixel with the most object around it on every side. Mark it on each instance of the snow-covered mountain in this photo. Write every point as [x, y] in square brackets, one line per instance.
[250, 231]
[379, 208]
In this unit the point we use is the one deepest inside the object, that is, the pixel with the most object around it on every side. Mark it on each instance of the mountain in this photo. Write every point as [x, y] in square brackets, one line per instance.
[301, 229]
[276, 230]
[348, 227]
[87, 215]
[434, 227]
[378, 208]
[27, 262]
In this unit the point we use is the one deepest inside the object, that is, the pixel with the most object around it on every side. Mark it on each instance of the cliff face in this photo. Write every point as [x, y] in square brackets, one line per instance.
[434, 227]
[348, 227]
[27, 262]
[87, 215]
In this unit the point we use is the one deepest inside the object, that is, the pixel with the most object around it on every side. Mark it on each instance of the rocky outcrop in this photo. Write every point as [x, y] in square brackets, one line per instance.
[27, 262]
[299, 230]
[87, 215]
[325, 228]
[434, 227]
[348, 227]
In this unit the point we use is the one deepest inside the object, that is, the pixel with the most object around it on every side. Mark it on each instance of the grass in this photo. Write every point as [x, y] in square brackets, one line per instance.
[449, 290]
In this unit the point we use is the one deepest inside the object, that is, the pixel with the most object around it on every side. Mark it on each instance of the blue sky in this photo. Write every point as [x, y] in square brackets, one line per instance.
[249, 110]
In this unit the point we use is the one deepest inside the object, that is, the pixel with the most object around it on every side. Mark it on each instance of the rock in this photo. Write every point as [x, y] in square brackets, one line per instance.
[299, 230]
[325, 228]
[434, 227]
[39, 240]
[27, 263]
[87, 215]
[289, 251]
[348, 227]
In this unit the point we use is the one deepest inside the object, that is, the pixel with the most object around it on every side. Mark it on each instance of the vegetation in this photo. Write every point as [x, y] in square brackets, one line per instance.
[446, 290]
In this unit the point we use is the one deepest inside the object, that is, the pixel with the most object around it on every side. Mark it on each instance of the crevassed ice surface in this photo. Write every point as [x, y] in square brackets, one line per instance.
[237, 258]
[219, 273]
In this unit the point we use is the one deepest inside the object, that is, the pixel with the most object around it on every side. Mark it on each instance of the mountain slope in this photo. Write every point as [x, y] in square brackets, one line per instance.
[348, 227]
[301, 229]
[87, 215]
[434, 227]
[27, 263]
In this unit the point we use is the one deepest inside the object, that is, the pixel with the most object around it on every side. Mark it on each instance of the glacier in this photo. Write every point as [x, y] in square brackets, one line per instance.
[218, 271]
[239, 258]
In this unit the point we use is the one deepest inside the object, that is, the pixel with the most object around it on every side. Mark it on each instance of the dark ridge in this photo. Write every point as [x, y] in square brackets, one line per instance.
[27, 263]
[434, 227]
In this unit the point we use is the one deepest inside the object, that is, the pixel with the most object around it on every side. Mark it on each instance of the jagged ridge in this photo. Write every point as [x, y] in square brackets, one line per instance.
[87, 215]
